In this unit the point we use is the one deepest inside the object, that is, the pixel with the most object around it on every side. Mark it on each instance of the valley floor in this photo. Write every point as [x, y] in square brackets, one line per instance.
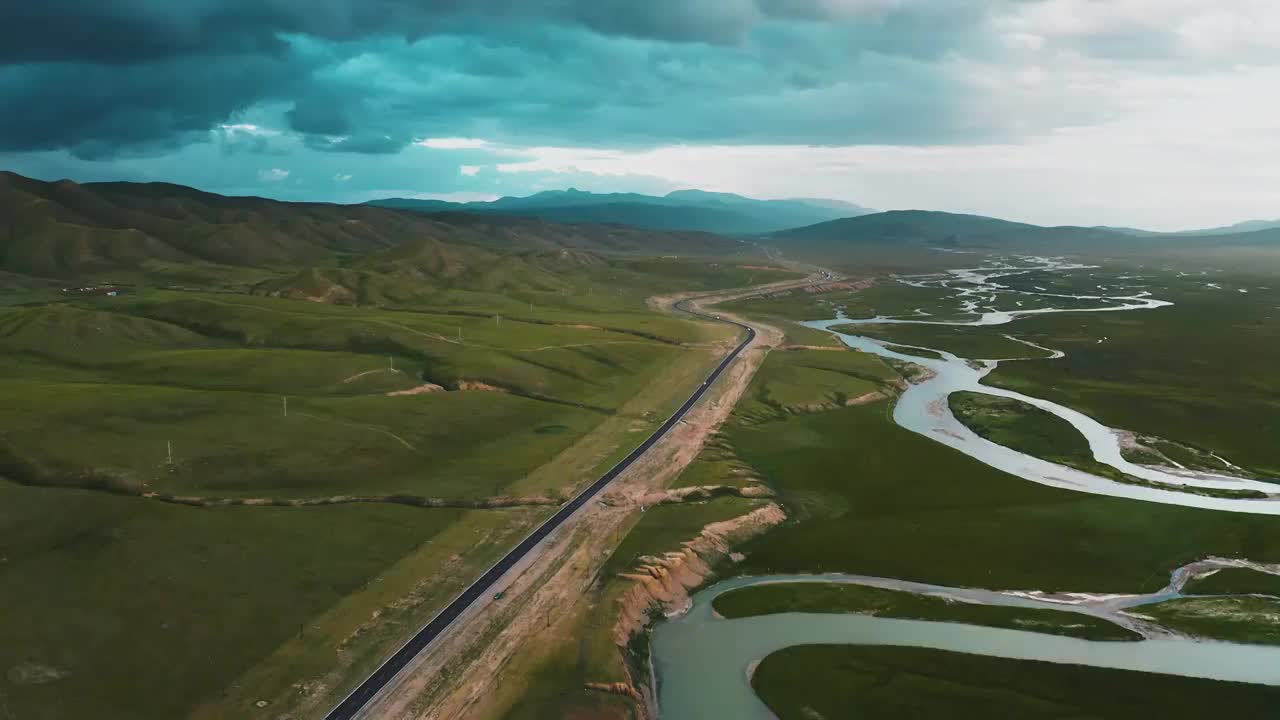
[868, 497]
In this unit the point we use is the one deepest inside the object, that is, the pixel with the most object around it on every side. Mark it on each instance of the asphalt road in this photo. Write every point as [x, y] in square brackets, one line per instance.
[372, 685]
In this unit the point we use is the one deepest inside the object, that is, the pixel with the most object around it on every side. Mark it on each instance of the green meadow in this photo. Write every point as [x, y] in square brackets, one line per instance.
[867, 496]
[817, 597]
[129, 388]
[135, 609]
[802, 381]
[1235, 581]
[886, 298]
[1246, 619]
[831, 681]
[120, 605]
[1028, 429]
[975, 343]
[1200, 372]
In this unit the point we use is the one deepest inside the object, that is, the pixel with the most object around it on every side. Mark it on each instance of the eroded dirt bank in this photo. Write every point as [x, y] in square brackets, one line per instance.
[663, 583]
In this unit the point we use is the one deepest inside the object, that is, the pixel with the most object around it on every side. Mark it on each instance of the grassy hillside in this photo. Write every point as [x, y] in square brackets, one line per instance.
[206, 373]
[99, 389]
[66, 229]
[449, 357]
[950, 230]
[917, 240]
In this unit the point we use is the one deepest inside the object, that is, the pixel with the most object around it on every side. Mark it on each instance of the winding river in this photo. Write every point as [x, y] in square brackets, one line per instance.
[923, 408]
[702, 663]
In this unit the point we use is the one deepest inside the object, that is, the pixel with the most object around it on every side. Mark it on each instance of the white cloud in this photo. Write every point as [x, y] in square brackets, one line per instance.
[1185, 30]
[1178, 157]
[469, 170]
[249, 129]
[453, 143]
[273, 175]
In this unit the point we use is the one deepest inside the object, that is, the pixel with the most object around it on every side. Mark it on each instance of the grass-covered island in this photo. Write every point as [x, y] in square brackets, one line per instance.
[820, 597]
[882, 683]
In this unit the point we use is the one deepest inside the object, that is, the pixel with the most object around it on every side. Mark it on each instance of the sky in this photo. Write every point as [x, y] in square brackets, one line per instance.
[1161, 114]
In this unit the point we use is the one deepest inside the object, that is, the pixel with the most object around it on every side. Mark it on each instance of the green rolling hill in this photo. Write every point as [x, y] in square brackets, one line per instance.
[951, 230]
[70, 230]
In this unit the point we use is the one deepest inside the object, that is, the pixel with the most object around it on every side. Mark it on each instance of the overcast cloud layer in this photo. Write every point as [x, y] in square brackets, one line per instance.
[1159, 113]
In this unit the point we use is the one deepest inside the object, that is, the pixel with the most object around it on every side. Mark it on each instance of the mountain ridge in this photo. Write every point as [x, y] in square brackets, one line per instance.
[944, 229]
[67, 229]
[688, 209]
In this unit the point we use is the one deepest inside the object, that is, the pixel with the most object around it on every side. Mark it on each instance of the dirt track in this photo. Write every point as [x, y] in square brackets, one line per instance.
[464, 666]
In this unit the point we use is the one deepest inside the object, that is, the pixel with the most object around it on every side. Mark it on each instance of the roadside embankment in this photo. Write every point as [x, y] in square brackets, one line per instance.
[663, 583]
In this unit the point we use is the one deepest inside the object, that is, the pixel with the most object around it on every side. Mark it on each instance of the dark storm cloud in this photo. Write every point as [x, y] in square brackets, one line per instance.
[142, 75]
[96, 108]
[141, 30]
[369, 76]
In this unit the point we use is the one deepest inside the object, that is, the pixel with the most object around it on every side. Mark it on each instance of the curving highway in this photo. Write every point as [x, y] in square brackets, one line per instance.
[354, 703]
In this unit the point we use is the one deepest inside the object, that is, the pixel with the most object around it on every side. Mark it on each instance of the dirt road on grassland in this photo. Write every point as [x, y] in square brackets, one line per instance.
[466, 664]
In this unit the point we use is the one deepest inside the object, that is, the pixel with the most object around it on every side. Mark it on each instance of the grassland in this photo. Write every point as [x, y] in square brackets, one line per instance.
[868, 497]
[887, 298]
[829, 681]
[803, 381]
[1253, 620]
[116, 604]
[815, 597]
[1235, 581]
[977, 343]
[1028, 429]
[142, 609]
[219, 406]
[1198, 373]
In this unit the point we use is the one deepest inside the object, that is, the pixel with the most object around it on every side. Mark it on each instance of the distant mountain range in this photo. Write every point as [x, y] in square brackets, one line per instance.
[1241, 227]
[66, 229]
[723, 213]
[941, 229]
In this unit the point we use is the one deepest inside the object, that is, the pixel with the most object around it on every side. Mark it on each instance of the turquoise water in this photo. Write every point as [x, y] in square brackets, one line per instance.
[702, 662]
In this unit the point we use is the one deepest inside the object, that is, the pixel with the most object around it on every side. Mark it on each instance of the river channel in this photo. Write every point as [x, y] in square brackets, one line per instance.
[923, 408]
[703, 662]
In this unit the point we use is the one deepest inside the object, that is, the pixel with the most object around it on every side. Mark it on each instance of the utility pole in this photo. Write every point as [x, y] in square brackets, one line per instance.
[392, 360]
[497, 319]
[286, 405]
[169, 446]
